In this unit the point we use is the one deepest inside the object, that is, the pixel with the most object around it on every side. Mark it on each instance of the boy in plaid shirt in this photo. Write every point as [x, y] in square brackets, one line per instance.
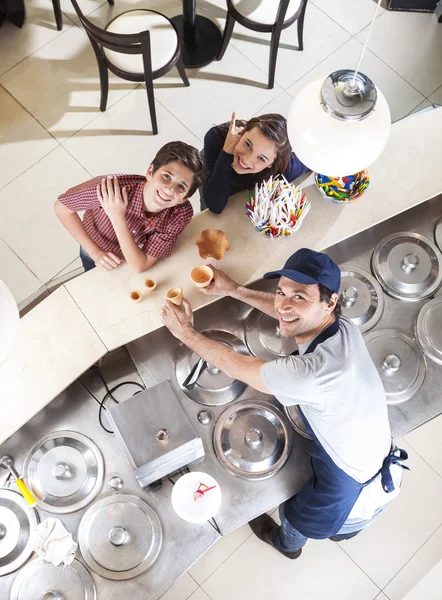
[134, 218]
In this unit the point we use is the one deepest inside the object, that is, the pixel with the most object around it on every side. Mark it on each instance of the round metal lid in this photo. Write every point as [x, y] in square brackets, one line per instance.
[17, 521]
[438, 234]
[120, 536]
[252, 439]
[40, 580]
[65, 471]
[408, 266]
[399, 361]
[296, 421]
[362, 299]
[429, 329]
[263, 338]
[213, 387]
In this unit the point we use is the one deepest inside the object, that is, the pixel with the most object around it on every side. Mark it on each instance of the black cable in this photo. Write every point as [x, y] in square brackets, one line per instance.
[100, 402]
[214, 525]
[109, 393]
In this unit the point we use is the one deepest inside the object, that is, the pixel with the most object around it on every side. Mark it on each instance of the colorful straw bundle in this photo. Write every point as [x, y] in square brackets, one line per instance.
[277, 207]
[343, 189]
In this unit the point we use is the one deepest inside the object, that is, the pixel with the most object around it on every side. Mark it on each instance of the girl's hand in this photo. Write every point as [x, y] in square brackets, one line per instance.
[111, 199]
[233, 136]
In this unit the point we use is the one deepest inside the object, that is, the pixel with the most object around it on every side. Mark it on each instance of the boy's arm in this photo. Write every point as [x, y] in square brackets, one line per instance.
[135, 257]
[114, 202]
[74, 225]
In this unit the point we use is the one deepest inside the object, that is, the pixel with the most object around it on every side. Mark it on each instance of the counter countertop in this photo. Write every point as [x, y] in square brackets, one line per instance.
[406, 174]
[56, 344]
[71, 329]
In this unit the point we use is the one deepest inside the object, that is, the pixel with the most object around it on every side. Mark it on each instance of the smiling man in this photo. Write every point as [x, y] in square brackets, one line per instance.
[356, 469]
[134, 218]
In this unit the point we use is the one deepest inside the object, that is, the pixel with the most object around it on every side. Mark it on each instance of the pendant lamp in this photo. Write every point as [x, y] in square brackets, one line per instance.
[9, 322]
[341, 125]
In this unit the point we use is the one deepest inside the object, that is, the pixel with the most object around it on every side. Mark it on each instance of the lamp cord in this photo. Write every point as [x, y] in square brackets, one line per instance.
[366, 43]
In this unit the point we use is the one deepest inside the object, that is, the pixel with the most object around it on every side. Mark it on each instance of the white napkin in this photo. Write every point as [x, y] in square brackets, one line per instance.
[53, 543]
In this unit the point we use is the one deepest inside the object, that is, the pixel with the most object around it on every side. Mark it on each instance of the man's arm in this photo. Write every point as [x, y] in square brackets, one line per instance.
[74, 225]
[237, 366]
[223, 285]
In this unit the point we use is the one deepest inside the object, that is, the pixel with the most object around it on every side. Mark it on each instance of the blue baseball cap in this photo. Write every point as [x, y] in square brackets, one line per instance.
[310, 267]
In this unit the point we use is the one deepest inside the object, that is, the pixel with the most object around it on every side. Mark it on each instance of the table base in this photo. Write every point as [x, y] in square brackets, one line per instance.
[206, 45]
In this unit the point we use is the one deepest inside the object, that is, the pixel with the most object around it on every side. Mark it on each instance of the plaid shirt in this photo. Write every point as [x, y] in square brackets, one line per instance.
[155, 234]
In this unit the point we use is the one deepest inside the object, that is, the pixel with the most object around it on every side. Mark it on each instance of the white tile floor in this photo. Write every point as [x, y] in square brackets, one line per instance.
[53, 135]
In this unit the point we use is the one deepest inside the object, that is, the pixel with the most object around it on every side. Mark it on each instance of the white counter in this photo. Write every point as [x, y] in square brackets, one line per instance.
[56, 344]
[407, 173]
[71, 329]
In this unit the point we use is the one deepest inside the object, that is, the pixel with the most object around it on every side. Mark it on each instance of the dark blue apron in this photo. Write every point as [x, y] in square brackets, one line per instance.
[326, 500]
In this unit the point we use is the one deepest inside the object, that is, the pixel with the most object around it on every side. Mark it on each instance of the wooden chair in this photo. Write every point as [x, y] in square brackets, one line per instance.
[58, 14]
[138, 45]
[266, 16]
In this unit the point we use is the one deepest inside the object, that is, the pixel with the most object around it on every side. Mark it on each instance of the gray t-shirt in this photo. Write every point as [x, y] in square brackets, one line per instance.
[341, 394]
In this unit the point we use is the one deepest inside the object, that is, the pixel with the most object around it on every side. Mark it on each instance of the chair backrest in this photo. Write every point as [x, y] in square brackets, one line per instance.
[126, 43]
[282, 10]
[283, 7]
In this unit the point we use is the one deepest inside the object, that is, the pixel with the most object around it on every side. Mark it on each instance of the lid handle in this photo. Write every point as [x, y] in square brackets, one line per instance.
[391, 363]
[52, 595]
[253, 438]
[212, 369]
[162, 435]
[410, 262]
[63, 471]
[118, 536]
[116, 483]
[349, 296]
[3, 531]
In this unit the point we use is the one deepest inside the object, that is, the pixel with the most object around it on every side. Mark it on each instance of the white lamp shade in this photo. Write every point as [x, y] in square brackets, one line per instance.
[330, 146]
[9, 322]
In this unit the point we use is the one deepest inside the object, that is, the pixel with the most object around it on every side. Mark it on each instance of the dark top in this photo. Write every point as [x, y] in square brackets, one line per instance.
[222, 181]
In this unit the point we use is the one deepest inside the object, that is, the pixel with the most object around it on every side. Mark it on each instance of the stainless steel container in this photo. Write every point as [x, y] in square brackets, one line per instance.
[155, 434]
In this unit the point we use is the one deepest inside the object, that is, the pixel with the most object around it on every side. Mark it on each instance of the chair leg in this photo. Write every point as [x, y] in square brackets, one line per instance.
[111, 2]
[102, 70]
[182, 71]
[301, 28]
[228, 30]
[104, 83]
[151, 100]
[57, 13]
[274, 44]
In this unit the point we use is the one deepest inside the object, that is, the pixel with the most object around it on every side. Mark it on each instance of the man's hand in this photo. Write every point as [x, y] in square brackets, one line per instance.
[113, 201]
[108, 260]
[233, 136]
[221, 284]
[177, 319]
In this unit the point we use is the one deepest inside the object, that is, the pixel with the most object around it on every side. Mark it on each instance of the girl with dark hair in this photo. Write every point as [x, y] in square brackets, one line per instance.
[241, 153]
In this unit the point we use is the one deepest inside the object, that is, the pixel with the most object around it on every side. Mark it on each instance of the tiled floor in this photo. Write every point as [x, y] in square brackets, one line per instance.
[53, 135]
